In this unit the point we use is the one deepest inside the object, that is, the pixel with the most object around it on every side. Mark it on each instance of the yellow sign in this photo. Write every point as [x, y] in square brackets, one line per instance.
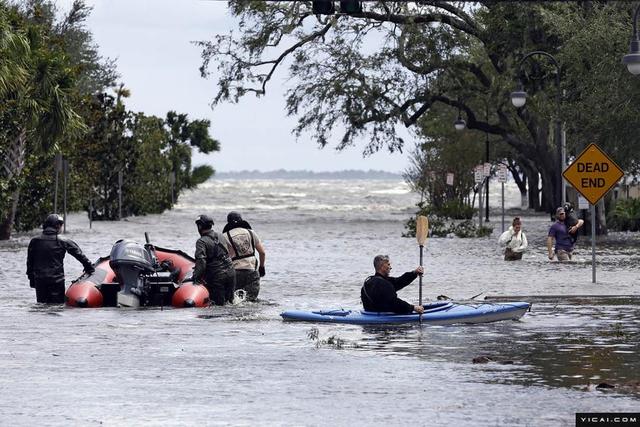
[593, 173]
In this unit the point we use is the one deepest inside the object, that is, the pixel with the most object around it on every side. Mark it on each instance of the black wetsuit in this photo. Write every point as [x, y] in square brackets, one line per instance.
[45, 264]
[214, 265]
[569, 221]
[379, 293]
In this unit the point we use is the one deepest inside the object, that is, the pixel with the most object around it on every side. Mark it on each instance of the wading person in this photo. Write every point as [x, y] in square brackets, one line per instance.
[559, 232]
[515, 241]
[45, 261]
[243, 243]
[213, 264]
[379, 292]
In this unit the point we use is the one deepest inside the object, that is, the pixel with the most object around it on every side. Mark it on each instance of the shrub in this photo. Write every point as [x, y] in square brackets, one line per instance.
[625, 215]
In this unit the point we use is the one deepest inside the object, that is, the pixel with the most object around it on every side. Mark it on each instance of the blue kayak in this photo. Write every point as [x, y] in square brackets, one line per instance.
[437, 313]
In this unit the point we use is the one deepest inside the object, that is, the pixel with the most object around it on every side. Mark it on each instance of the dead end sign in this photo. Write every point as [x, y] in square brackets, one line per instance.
[593, 173]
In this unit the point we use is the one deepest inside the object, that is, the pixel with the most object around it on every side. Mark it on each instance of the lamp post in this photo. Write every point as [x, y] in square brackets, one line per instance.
[632, 59]
[460, 125]
[486, 159]
[519, 98]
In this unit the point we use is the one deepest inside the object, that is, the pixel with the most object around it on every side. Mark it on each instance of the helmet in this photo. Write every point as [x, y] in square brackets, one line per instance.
[204, 221]
[53, 220]
[234, 217]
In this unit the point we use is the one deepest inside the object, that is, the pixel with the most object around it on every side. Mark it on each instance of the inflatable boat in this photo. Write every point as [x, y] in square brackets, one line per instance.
[436, 313]
[134, 275]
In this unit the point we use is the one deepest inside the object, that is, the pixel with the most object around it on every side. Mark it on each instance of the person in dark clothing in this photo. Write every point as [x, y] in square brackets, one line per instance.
[45, 261]
[572, 222]
[379, 292]
[213, 264]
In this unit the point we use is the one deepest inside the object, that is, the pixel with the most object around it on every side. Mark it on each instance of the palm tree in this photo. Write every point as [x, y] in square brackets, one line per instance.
[41, 111]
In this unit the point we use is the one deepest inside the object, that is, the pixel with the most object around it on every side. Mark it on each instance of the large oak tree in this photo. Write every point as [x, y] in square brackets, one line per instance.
[366, 73]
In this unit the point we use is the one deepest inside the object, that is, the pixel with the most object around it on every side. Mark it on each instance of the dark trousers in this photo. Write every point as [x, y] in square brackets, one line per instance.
[221, 287]
[50, 292]
[510, 255]
[249, 280]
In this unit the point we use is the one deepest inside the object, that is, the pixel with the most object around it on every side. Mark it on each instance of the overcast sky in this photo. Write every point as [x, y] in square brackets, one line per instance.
[150, 42]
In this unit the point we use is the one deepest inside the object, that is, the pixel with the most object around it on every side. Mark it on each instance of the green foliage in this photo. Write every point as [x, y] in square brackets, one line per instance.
[201, 174]
[625, 215]
[440, 226]
[36, 198]
[145, 149]
[54, 100]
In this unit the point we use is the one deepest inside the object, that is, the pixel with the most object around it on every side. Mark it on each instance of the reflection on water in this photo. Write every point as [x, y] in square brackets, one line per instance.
[243, 365]
[557, 345]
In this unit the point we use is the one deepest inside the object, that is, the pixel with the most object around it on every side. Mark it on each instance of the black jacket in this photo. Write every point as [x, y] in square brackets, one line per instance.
[379, 293]
[212, 258]
[45, 256]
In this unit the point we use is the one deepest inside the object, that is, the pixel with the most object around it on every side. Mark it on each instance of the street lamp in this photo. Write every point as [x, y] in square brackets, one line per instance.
[632, 59]
[519, 98]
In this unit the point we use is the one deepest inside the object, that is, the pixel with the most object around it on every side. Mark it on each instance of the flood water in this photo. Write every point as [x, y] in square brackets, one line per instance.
[242, 365]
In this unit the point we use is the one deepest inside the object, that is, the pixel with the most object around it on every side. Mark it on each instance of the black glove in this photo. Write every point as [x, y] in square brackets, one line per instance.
[261, 271]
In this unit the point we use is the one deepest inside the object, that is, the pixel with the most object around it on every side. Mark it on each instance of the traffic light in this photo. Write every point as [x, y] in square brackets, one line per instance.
[323, 7]
[350, 6]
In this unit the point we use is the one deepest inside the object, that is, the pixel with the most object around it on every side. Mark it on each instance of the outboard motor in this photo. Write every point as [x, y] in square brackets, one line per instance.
[131, 262]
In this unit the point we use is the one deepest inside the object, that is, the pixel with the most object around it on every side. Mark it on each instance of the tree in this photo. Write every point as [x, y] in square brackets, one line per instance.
[392, 63]
[184, 134]
[444, 151]
[37, 113]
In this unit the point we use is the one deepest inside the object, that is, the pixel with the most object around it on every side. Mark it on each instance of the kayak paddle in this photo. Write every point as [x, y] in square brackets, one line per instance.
[422, 229]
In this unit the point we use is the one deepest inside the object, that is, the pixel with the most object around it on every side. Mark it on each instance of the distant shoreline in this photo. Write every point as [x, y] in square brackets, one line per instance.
[304, 174]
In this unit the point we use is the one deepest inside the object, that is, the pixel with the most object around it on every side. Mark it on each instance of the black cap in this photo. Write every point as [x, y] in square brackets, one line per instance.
[234, 216]
[53, 220]
[204, 221]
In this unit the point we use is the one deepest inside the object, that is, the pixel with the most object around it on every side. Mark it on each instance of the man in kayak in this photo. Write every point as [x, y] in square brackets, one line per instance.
[379, 292]
[45, 261]
[243, 243]
[213, 264]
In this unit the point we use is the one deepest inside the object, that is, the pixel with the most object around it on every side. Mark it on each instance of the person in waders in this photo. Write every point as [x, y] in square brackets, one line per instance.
[213, 264]
[243, 243]
[45, 261]
[515, 241]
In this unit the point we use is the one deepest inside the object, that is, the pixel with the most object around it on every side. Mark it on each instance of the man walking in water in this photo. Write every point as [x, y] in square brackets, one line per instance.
[45, 261]
[213, 264]
[243, 243]
[379, 292]
[561, 233]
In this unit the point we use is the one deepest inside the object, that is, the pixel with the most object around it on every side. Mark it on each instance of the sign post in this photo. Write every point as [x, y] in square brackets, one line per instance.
[65, 175]
[502, 178]
[593, 174]
[478, 175]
